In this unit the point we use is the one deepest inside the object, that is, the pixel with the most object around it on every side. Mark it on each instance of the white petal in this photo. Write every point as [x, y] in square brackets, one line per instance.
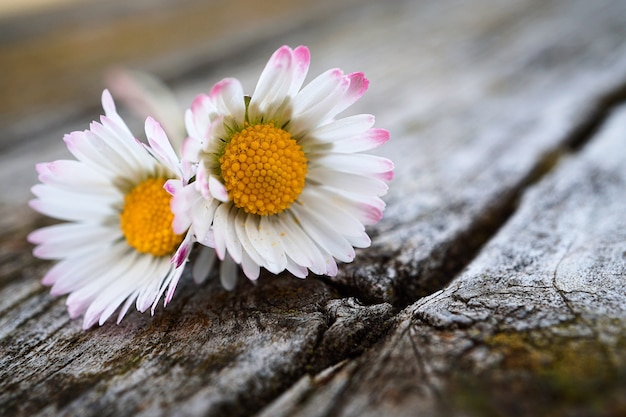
[150, 272]
[70, 173]
[202, 214]
[111, 112]
[273, 86]
[181, 203]
[218, 191]
[250, 268]
[184, 249]
[172, 282]
[371, 139]
[123, 144]
[129, 301]
[203, 265]
[202, 183]
[220, 229]
[323, 235]
[351, 183]
[299, 247]
[325, 97]
[80, 300]
[242, 234]
[59, 233]
[296, 270]
[233, 245]
[358, 163]
[263, 244]
[228, 98]
[161, 147]
[335, 217]
[331, 266]
[358, 87]
[81, 195]
[190, 150]
[90, 242]
[301, 58]
[367, 209]
[228, 273]
[110, 297]
[56, 203]
[91, 149]
[68, 275]
[198, 117]
[124, 152]
[275, 257]
[316, 100]
[344, 128]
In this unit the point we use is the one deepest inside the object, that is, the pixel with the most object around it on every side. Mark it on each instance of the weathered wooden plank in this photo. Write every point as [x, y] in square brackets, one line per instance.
[210, 352]
[477, 99]
[535, 325]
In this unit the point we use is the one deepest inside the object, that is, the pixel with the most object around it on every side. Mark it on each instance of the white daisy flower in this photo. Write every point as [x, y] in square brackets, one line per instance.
[280, 183]
[118, 246]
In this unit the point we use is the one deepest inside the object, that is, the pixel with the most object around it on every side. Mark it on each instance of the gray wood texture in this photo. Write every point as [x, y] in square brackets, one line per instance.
[534, 325]
[495, 282]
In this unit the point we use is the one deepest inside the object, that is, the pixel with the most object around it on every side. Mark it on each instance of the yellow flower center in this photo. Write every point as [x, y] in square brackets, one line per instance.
[146, 219]
[263, 169]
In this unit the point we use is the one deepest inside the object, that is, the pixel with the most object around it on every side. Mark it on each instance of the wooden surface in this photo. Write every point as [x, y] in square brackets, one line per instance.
[495, 282]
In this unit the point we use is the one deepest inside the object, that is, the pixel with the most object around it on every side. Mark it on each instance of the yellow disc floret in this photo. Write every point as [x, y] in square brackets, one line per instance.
[263, 169]
[146, 219]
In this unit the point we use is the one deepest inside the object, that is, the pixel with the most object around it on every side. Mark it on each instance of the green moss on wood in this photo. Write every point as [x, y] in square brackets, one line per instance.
[554, 375]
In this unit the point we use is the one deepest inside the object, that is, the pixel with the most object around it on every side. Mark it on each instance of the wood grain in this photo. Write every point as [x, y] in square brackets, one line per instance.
[494, 285]
[533, 326]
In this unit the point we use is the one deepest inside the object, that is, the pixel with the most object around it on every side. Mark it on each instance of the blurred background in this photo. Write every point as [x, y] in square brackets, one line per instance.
[56, 55]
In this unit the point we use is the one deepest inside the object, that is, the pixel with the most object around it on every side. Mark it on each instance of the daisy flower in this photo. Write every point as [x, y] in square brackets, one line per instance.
[117, 246]
[281, 183]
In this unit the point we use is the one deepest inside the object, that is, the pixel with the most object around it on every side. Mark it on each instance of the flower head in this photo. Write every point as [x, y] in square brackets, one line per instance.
[118, 245]
[280, 182]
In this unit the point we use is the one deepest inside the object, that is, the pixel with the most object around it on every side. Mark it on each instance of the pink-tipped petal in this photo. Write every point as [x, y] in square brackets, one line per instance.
[182, 200]
[177, 273]
[228, 97]
[336, 130]
[319, 90]
[183, 251]
[160, 146]
[274, 74]
[316, 102]
[190, 149]
[301, 62]
[358, 86]
[373, 138]
[198, 118]
[278, 84]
